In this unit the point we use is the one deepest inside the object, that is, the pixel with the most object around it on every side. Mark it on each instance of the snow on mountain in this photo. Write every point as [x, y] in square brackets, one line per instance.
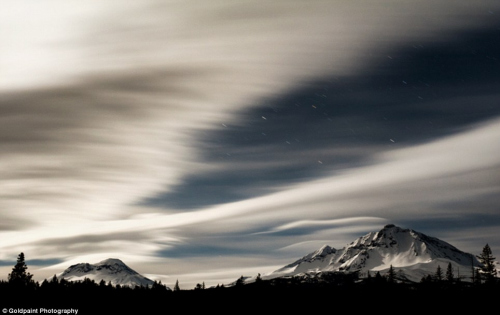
[110, 270]
[412, 252]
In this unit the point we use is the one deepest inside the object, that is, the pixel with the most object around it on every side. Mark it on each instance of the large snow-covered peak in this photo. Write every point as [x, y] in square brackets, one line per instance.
[402, 248]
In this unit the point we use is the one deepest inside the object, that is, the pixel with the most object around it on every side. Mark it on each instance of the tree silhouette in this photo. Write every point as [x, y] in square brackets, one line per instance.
[378, 278]
[157, 286]
[240, 281]
[54, 280]
[391, 275]
[401, 275]
[19, 276]
[176, 286]
[198, 287]
[426, 279]
[439, 274]
[487, 260]
[449, 273]
[258, 279]
[477, 277]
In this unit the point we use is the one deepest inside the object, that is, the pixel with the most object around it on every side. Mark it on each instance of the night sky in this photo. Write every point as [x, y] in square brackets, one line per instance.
[202, 141]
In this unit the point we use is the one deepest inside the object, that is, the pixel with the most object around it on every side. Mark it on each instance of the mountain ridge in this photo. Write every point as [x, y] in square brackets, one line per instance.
[111, 270]
[413, 253]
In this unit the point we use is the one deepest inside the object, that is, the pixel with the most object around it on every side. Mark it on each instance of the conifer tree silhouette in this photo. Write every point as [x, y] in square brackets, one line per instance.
[439, 274]
[488, 270]
[176, 286]
[19, 276]
[391, 275]
[449, 273]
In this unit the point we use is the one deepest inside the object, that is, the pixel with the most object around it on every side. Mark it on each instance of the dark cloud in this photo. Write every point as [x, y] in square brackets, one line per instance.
[434, 226]
[221, 244]
[95, 243]
[9, 223]
[90, 239]
[33, 262]
[413, 94]
[203, 250]
[95, 134]
[7, 263]
[70, 113]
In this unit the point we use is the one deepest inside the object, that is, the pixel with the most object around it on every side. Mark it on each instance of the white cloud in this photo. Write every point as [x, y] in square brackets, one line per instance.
[102, 102]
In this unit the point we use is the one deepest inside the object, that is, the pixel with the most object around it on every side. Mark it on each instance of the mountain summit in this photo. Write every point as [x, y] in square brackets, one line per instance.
[412, 252]
[110, 270]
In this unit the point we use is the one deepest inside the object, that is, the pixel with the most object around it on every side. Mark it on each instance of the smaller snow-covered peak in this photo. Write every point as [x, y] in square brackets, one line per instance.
[111, 261]
[114, 265]
[111, 270]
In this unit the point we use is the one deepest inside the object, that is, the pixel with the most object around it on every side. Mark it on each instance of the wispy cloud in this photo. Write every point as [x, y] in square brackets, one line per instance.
[139, 129]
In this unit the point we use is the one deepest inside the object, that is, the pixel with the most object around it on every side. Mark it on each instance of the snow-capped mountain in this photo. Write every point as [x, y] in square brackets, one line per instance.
[412, 252]
[110, 270]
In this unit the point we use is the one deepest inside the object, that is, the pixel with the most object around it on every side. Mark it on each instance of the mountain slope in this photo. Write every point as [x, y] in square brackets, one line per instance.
[412, 252]
[109, 270]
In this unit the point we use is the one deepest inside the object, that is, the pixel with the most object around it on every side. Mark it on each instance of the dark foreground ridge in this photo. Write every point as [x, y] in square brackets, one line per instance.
[282, 293]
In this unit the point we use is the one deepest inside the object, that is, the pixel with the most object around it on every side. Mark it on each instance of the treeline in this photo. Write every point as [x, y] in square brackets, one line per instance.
[55, 285]
[327, 287]
[22, 291]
